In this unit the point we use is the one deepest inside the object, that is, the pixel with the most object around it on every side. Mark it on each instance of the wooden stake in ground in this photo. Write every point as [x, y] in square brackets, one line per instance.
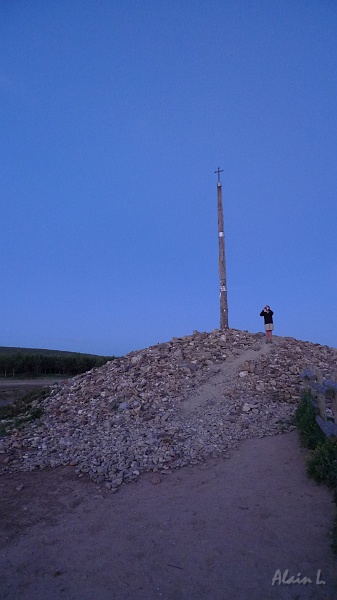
[222, 258]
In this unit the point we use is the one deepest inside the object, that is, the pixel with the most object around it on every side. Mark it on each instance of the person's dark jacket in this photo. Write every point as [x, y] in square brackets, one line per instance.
[268, 316]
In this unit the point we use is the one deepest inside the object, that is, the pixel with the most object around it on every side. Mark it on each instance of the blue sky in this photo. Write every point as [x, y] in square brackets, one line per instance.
[114, 117]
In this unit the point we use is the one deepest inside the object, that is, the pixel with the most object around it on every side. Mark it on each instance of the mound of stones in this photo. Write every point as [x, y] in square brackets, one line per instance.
[139, 413]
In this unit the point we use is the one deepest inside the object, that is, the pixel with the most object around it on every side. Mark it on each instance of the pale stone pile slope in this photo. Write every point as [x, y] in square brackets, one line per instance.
[167, 406]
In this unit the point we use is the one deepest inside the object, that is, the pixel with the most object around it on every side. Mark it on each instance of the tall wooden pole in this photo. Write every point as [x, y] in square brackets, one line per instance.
[222, 258]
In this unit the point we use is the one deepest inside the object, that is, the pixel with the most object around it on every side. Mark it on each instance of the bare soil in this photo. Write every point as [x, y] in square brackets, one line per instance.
[219, 531]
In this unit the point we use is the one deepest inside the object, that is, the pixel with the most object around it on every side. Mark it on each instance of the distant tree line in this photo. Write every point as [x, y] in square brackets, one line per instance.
[36, 365]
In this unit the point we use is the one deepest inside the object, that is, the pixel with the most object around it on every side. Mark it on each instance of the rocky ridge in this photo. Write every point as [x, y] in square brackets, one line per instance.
[167, 406]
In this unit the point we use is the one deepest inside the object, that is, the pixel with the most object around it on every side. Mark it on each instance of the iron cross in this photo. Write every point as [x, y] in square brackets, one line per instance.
[218, 172]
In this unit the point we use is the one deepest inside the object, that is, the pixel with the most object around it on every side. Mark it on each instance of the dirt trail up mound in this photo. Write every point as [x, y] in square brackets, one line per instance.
[167, 406]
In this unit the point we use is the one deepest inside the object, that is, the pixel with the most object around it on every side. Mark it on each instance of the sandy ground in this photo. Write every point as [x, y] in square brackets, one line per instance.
[214, 532]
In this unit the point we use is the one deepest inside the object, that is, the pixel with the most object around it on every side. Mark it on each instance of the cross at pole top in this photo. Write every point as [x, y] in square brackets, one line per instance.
[218, 171]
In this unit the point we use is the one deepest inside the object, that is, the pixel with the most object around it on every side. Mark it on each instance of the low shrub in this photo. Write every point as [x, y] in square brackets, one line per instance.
[305, 420]
[322, 464]
[22, 405]
[322, 459]
[28, 408]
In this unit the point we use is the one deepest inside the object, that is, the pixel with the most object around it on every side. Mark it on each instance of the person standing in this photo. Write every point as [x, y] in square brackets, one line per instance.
[267, 313]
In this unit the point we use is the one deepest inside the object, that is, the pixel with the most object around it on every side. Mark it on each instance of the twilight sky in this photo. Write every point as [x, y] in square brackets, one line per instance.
[114, 116]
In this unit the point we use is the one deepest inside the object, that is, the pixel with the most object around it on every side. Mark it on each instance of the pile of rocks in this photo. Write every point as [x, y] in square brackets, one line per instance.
[167, 406]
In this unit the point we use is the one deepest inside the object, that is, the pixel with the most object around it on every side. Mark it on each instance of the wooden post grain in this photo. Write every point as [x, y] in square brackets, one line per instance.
[222, 258]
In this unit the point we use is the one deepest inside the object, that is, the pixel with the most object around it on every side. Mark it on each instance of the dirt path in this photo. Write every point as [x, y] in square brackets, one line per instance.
[38, 382]
[214, 532]
[14, 389]
[214, 388]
